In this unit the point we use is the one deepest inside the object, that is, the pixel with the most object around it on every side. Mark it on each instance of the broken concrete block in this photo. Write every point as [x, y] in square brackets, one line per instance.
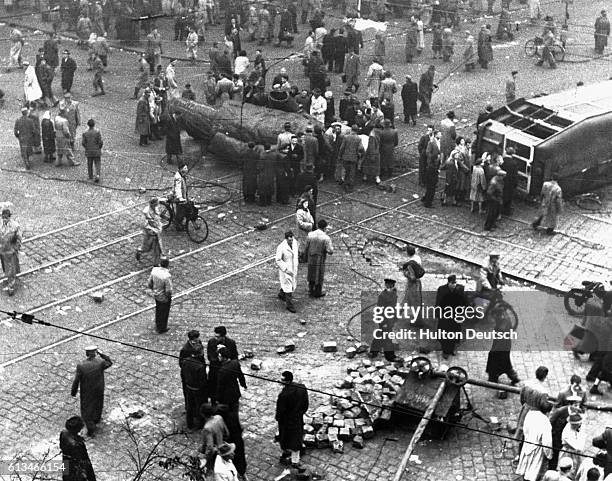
[351, 368]
[308, 419]
[356, 412]
[355, 374]
[281, 350]
[338, 416]
[338, 423]
[361, 347]
[366, 363]
[332, 434]
[371, 370]
[368, 432]
[309, 429]
[367, 378]
[310, 440]
[97, 296]
[351, 352]
[289, 346]
[376, 379]
[395, 379]
[358, 442]
[379, 364]
[318, 421]
[349, 423]
[347, 383]
[256, 364]
[344, 404]
[330, 346]
[344, 434]
[385, 415]
[360, 422]
[322, 440]
[328, 420]
[383, 372]
[338, 447]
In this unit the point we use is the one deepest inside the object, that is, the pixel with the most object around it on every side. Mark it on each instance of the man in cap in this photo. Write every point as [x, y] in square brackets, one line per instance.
[73, 115]
[67, 66]
[410, 94]
[191, 347]
[318, 106]
[24, 130]
[495, 199]
[490, 277]
[452, 296]
[220, 339]
[160, 282]
[511, 87]
[291, 405]
[566, 467]
[380, 342]
[602, 32]
[551, 205]
[90, 378]
[10, 244]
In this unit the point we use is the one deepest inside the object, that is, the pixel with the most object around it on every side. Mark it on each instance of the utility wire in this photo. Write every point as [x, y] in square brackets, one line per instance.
[31, 319]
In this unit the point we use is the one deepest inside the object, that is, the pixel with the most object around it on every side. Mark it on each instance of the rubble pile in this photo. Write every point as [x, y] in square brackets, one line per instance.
[359, 403]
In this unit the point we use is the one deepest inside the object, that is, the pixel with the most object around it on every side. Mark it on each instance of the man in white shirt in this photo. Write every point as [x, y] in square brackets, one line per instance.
[318, 105]
[241, 64]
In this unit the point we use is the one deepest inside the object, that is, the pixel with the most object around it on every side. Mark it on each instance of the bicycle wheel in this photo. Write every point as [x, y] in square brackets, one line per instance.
[530, 48]
[197, 229]
[166, 214]
[575, 302]
[558, 53]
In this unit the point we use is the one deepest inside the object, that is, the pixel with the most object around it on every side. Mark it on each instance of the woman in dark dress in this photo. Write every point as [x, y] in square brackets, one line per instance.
[77, 465]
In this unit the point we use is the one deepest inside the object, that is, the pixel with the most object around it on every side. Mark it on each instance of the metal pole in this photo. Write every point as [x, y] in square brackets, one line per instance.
[419, 431]
[517, 390]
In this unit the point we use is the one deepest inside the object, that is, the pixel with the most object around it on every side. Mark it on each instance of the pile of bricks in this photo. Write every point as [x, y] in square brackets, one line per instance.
[362, 399]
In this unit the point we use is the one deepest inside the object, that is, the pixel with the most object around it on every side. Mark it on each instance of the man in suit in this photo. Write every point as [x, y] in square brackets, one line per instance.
[340, 48]
[352, 70]
[451, 298]
[311, 149]
[433, 153]
[351, 151]
[68, 67]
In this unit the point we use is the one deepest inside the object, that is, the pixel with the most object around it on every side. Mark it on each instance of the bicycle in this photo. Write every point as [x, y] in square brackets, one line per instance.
[534, 47]
[496, 310]
[196, 226]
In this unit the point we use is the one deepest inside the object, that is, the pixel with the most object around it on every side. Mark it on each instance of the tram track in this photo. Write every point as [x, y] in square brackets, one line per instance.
[182, 293]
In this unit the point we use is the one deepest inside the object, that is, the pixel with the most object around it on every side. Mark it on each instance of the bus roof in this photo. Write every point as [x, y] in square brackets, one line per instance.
[542, 117]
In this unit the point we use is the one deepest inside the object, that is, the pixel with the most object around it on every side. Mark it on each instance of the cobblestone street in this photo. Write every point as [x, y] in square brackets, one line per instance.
[80, 238]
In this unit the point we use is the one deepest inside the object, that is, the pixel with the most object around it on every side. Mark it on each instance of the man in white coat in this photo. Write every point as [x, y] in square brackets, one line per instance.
[287, 262]
[538, 437]
[31, 87]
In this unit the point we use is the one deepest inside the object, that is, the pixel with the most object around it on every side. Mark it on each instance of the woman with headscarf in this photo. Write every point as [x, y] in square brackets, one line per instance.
[304, 221]
[48, 137]
[74, 452]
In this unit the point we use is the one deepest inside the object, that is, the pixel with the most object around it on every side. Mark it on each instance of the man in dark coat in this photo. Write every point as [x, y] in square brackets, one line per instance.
[602, 32]
[422, 149]
[173, 138]
[92, 144]
[228, 378]
[432, 170]
[51, 51]
[190, 348]
[387, 298]
[484, 115]
[426, 88]
[334, 167]
[90, 378]
[291, 405]
[68, 67]
[410, 94]
[295, 156]
[352, 70]
[143, 119]
[24, 131]
[354, 39]
[212, 347]
[249, 173]
[193, 375]
[485, 48]
[604, 441]
[510, 165]
[318, 247]
[450, 297]
[267, 172]
[340, 48]
[388, 142]
[75, 458]
[284, 179]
